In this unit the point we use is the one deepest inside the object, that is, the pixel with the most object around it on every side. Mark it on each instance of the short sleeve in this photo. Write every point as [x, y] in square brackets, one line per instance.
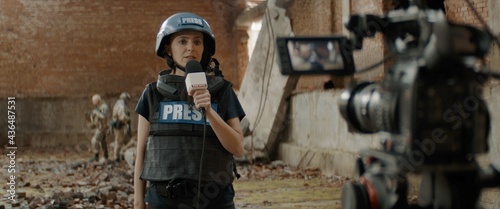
[142, 107]
[230, 105]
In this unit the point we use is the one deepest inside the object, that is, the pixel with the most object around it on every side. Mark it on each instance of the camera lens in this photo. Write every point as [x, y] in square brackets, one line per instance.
[367, 110]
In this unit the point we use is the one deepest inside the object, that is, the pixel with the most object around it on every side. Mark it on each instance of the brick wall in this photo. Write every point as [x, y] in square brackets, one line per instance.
[56, 48]
[305, 24]
[458, 11]
[373, 47]
[55, 54]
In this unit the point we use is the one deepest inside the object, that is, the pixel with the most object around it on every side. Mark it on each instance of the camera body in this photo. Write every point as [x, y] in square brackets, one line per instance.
[429, 106]
[430, 99]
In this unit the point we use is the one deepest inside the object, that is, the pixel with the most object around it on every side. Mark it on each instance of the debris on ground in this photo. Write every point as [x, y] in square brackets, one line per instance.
[66, 179]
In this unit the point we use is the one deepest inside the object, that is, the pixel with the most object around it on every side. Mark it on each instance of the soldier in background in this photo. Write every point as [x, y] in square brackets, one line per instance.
[99, 121]
[121, 125]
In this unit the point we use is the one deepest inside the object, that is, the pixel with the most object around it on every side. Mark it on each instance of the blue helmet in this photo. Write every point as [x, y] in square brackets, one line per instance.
[186, 21]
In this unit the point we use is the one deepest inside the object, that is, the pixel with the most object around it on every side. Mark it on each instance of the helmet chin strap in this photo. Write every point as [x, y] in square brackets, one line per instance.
[177, 66]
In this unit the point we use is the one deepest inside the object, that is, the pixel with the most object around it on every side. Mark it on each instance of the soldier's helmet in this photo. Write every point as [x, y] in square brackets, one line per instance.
[125, 96]
[96, 98]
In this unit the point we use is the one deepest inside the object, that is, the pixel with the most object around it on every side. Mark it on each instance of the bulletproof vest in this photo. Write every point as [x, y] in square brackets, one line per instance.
[174, 149]
[101, 123]
[172, 86]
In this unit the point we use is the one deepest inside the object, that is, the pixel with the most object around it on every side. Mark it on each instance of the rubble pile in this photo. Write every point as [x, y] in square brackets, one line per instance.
[55, 181]
[45, 184]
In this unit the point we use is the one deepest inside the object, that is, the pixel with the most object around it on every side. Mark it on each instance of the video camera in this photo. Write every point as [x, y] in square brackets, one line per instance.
[428, 107]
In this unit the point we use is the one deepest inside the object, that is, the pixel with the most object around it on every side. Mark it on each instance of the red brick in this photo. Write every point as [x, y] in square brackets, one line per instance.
[56, 48]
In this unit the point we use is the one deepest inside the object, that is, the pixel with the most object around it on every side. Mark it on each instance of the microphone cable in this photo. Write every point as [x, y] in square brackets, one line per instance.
[201, 158]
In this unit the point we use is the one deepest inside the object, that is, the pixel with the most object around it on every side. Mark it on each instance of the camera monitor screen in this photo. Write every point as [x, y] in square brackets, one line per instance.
[314, 55]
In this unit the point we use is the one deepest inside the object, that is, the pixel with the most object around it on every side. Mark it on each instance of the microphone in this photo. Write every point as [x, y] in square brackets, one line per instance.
[195, 77]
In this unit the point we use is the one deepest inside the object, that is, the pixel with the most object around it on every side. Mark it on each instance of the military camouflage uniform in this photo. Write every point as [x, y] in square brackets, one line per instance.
[121, 125]
[99, 121]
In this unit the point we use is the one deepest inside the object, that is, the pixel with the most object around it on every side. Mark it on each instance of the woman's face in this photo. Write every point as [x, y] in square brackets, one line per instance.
[305, 51]
[185, 46]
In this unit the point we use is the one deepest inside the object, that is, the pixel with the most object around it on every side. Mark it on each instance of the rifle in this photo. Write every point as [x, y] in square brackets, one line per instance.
[88, 119]
[128, 132]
